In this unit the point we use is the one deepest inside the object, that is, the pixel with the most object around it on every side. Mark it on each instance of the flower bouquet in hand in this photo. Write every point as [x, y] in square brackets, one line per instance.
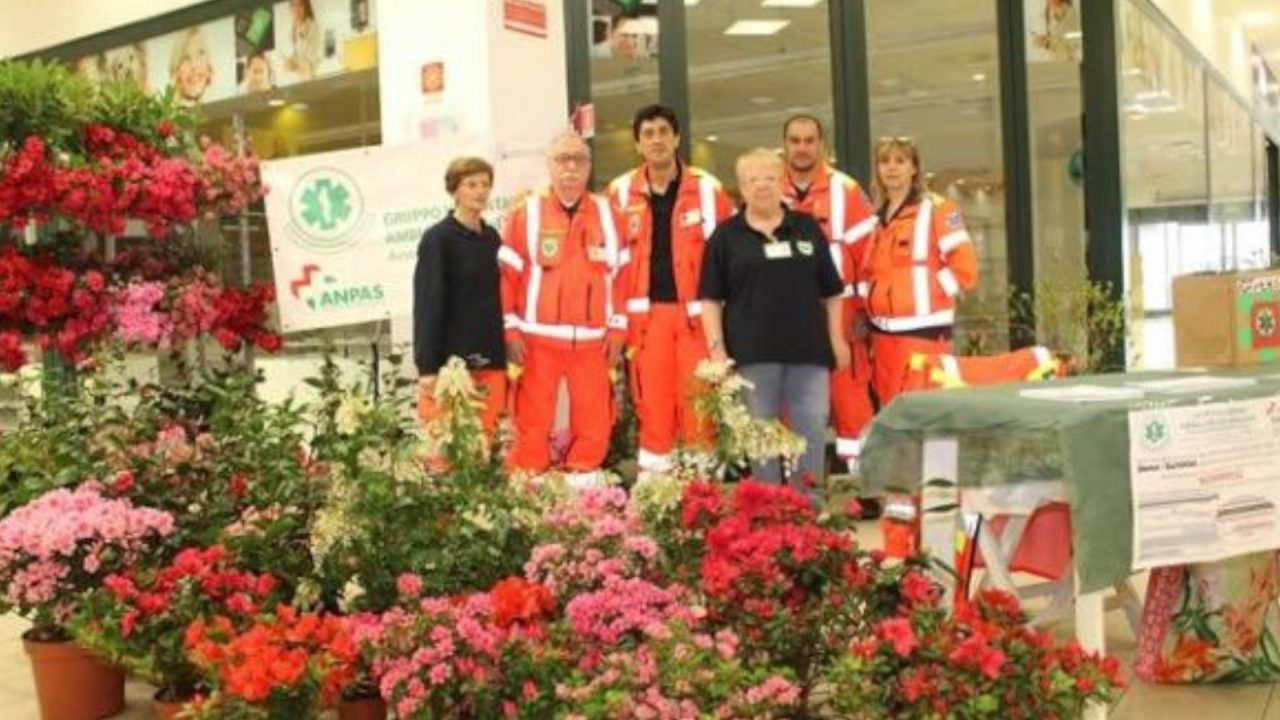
[137, 618]
[63, 544]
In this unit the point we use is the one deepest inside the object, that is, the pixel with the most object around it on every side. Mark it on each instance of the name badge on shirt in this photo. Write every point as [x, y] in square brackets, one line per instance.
[596, 253]
[692, 217]
[777, 250]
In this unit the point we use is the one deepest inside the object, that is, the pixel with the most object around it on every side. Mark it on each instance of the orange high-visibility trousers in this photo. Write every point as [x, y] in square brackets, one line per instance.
[891, 358]
[492, 385]
[663, 387]
[851, 407]
[586, 369]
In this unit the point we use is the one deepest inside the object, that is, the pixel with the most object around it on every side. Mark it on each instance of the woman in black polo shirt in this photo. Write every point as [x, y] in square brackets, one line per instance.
[457, 307]
[771, 303]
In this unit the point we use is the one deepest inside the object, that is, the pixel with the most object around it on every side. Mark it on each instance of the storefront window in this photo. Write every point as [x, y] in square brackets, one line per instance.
[624, 77]
[748, 71]
[934, 77]
[1193, 185]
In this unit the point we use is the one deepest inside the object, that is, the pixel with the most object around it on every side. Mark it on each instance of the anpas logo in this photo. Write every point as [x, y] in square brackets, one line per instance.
[324, 291]
[326, 211]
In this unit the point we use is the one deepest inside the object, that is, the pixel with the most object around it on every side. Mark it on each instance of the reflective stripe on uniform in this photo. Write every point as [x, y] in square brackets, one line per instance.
[693, 309]
[947, 280]
[510, 258]
[532, 224]
[953, 240]
[848, 447]
[638, 305]
[657, 462]
[861, 230]
[563, 332]
[916, 322]
[707, 199]
[835, 196]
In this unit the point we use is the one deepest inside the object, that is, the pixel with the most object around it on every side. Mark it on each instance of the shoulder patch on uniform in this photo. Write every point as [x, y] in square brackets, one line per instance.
[955, 220]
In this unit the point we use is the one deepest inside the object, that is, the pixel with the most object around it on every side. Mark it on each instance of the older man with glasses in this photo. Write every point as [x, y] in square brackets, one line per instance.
[565, 274]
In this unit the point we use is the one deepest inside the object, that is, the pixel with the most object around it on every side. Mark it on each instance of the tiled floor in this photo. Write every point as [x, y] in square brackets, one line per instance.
[1140, 702]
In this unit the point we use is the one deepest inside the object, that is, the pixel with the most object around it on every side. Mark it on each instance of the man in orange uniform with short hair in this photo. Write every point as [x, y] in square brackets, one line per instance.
[671, 209]
[843, 210]
[565, 274]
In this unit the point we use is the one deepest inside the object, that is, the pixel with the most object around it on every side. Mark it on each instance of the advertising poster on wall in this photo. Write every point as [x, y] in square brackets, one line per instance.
[1053, 30]
[623, 30]
[319, 38]
[199, 63]
[125, 63]
[255, 45]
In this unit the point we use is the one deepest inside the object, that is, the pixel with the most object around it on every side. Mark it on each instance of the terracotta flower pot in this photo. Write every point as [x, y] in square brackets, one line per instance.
[71, 684]
[362, 708]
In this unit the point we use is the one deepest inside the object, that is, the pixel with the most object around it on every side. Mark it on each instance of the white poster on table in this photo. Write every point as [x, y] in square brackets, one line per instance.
[345, 226]
[1205, 481]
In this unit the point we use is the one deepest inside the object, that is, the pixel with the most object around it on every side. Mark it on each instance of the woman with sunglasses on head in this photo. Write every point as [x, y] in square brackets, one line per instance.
[918, 262]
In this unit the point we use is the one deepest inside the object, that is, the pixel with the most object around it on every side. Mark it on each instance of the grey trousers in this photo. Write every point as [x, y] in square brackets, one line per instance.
[803, 392]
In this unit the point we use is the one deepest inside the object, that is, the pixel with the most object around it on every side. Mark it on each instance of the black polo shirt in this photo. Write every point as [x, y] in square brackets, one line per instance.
[457, 306]
[773, 291]
[662, 276]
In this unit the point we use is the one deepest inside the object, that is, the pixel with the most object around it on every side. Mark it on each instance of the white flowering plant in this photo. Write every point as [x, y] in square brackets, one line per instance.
[434, 502]
[740, 438]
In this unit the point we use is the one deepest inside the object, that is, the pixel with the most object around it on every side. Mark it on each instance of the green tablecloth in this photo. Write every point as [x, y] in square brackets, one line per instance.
[1007, 438]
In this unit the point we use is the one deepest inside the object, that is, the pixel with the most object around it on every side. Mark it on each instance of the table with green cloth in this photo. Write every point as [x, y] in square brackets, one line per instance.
[1000, 436]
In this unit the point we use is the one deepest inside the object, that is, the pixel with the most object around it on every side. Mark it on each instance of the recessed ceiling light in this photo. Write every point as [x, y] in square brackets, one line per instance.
[761, 100]
[756, 27]
[930, 175]
[917, 93]
[790, 3]
[276, 102]
[979, 76]
[959, 181]
[890, 82]
[300, 106]
[713, 138]
[1073, 35]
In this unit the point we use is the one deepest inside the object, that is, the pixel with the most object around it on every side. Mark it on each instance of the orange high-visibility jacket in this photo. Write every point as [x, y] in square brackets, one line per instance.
[845, 213]
[564, 277]
[928, 372]
[916, 266]
[700, 204]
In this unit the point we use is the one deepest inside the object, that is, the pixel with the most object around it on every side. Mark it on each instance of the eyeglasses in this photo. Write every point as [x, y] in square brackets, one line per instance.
[567, 160]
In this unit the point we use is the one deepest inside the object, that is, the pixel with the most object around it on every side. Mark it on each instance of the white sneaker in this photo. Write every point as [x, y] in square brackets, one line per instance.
[580, 481]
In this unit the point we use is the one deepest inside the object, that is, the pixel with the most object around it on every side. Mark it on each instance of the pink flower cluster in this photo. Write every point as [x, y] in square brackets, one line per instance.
[594, 539]
[59, 544]
[626, 607]
[137, 316]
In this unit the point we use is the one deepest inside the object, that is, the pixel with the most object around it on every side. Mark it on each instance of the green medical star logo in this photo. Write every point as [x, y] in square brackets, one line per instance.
[1266, 322]
[1155, 433]
[325, 204]
[326, 211]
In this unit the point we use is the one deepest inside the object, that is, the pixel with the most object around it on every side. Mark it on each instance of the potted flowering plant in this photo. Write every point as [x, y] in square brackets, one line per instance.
[52, 551]
[138, 617]
[285, 665]
[466, 528]
[982, 662]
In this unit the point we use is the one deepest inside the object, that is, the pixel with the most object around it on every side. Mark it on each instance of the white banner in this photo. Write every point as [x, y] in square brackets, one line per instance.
[1206, 481]
[345, 226]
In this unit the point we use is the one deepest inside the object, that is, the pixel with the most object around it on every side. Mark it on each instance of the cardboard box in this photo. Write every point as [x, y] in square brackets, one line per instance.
[1227, 319]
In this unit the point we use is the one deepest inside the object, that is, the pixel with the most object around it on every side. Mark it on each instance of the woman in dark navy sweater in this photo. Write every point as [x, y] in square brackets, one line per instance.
[457, 308]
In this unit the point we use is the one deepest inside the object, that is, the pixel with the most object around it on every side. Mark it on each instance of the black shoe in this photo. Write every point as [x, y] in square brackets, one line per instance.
[871, 508]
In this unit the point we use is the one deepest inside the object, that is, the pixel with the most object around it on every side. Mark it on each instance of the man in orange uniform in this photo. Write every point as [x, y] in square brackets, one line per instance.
[837, 202]
[671, 209]
[920, 260]
[564, 286]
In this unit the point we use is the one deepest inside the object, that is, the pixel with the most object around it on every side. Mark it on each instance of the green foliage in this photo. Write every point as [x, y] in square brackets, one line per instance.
[48, 100]
[453, 519]
[1083, 321]
[45, 99]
